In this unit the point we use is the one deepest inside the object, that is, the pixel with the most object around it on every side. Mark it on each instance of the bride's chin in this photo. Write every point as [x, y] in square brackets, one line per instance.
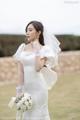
[29, 40]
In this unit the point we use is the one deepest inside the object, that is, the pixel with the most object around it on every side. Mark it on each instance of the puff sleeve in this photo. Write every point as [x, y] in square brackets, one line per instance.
[18, 52]
[49, 75]
[52, 57]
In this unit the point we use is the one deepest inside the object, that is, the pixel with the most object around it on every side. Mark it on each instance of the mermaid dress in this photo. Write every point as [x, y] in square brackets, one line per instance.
[37, 83]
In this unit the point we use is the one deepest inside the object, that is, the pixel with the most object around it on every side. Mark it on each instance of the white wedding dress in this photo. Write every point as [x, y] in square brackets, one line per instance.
[35, 83]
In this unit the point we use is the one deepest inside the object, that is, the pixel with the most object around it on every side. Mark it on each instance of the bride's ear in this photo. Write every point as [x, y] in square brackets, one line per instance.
[39, 33]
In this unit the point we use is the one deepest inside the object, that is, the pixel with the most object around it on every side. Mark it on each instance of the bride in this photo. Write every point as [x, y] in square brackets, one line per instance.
[35, 60]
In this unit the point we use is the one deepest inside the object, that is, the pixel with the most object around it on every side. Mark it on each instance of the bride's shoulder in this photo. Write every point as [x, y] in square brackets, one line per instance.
[46, 50]
[24, 46]
[21, 45]
[27, 47]
[45, 47]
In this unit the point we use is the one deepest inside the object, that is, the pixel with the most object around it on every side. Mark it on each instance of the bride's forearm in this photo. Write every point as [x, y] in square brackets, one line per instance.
[20, 80]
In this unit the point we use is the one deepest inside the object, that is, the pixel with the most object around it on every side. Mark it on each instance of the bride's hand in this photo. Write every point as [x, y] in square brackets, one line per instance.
[40, 62]
[19, 90]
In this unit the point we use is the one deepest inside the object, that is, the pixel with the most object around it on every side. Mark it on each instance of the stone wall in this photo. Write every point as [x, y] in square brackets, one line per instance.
[68, 62]
[8, 70]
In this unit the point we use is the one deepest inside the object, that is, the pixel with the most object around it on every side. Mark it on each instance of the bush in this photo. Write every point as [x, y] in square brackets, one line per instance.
[10, 43]
[69, 42]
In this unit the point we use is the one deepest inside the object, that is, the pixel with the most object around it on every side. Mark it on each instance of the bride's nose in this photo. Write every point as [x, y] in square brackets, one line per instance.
[27, 34]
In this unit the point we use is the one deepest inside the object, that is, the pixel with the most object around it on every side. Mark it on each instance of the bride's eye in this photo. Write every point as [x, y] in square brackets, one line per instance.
[30, 30]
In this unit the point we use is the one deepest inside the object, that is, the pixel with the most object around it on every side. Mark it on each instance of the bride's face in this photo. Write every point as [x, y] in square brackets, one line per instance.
[31, 33]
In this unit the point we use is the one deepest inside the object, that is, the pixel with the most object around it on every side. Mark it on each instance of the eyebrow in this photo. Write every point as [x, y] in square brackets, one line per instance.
[30, 28]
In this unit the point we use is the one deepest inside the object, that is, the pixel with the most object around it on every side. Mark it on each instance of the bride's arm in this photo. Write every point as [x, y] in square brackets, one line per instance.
[20, 81]
[20, 74]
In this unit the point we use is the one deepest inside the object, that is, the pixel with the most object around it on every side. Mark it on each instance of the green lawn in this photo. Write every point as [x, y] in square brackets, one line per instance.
[64, 99]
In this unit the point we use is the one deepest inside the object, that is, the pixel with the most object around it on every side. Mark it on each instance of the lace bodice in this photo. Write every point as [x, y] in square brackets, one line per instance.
[28, 58]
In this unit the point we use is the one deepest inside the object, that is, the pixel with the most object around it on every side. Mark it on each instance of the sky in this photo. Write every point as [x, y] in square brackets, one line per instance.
[58, 16]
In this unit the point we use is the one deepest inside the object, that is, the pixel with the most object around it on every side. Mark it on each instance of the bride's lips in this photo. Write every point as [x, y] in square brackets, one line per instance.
[28, 37]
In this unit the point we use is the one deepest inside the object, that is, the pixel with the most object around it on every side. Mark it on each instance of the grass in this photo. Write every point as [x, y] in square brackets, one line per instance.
[6, 92]
[64, 99]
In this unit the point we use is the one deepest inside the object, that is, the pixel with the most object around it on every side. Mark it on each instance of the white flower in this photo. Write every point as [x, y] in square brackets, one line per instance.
[23, 102]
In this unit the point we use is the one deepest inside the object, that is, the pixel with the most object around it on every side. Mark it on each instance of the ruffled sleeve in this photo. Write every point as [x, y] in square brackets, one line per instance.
[18, 52]
[49, 75]
[52, 57]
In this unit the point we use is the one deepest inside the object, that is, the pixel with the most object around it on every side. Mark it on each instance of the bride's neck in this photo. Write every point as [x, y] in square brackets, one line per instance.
[35, 43]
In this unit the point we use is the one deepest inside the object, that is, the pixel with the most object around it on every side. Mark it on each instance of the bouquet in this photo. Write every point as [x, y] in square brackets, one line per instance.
[22, 102]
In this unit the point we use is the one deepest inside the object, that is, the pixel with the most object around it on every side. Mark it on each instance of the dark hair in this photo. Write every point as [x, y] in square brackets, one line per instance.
[39, 27]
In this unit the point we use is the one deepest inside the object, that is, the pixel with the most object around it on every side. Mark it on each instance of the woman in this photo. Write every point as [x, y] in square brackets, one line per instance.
[34, 59]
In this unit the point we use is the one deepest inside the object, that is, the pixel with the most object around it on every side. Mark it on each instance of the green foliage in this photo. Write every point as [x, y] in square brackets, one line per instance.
[10, 43]
[69, 42]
